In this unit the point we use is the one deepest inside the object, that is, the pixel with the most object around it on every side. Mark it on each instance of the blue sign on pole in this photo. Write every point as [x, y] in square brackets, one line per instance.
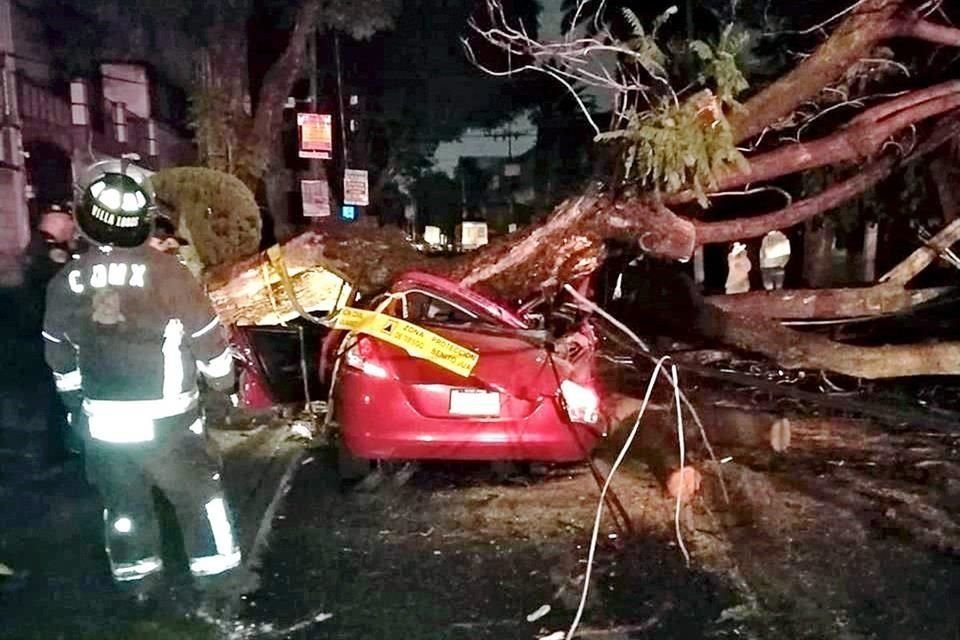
[348, 212]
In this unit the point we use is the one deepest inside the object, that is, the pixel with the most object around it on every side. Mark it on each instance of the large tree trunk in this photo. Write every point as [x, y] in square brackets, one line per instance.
[268, 115]
[818, 239]
[795, 350]
[821, 304]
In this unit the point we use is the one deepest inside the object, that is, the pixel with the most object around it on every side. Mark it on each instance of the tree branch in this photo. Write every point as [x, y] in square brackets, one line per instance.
[282, 75]
[907, 101]
[835, 195]
[925, 30]
[853, 40]
[862, 137]
[871, 174]
[796, 350]
[923, 257]
[819, 304]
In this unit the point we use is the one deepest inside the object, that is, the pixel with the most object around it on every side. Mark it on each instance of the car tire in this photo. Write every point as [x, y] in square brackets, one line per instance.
[349, 466]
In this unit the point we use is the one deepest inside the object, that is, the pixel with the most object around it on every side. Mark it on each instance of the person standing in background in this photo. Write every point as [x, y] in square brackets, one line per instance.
[738, 273]
[774, 256]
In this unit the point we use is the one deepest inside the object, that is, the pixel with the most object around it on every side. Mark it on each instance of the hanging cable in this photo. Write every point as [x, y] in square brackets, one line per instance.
[603, 493]
[591, 306]
[683, 461]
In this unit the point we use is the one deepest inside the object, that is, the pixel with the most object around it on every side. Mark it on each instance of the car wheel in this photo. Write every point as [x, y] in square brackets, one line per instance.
[349, 466]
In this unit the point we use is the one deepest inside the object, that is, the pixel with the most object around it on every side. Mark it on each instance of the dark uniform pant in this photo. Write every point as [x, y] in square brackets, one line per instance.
[175, 463]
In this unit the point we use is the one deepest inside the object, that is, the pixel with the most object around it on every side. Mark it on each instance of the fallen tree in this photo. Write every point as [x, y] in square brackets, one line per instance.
[657, 208]
[889, 296]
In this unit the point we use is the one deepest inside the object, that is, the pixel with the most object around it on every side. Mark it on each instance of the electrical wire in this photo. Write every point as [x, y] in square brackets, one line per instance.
[683, 461]
[589, 305]
[603, 494]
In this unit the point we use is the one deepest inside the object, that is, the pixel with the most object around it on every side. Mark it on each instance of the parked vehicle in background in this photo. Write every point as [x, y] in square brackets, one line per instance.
[532, 396]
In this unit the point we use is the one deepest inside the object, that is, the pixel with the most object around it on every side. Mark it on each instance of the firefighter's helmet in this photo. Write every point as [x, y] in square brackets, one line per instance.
[115, 204]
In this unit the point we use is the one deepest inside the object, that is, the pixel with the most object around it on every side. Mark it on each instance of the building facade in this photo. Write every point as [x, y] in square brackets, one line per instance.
[50, 133]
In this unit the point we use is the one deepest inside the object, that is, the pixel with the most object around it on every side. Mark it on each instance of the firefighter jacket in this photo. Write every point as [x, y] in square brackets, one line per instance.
[133, 325]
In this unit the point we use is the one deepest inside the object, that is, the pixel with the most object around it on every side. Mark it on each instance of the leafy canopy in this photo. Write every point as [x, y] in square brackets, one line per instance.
[671, 143]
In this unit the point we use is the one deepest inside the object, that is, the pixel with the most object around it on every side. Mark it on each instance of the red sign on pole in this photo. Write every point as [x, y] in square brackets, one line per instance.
[315, 132]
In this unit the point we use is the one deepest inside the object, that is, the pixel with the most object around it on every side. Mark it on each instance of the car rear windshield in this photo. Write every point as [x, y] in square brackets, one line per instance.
[424, 307]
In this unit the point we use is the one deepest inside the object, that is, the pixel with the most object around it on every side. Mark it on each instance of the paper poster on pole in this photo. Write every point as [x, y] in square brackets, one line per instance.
[315, 132]
[316, 198]
[355, 187]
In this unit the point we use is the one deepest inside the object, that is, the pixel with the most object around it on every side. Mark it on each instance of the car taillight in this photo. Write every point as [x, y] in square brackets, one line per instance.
[582, 403]
[361, 357]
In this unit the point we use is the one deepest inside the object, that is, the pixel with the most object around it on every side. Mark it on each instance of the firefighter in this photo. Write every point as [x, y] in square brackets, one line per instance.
[130, 329]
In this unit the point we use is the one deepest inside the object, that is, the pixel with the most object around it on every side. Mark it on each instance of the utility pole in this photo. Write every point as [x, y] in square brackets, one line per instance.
[463, 192]
[513, 214]
[343, 129]
[315, 167]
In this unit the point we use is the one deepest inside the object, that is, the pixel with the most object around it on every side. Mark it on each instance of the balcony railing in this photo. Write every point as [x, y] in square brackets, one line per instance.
[115, 130]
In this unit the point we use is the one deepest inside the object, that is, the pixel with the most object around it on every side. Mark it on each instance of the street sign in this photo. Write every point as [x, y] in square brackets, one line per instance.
[355, 188]
[315, 132]
[348, 212]
[316, 198]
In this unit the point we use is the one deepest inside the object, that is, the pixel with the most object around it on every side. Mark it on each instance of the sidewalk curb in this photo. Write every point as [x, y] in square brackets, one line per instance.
[269, 514]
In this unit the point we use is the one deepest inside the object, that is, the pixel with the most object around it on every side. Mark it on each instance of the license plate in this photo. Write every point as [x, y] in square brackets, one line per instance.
[474, 402]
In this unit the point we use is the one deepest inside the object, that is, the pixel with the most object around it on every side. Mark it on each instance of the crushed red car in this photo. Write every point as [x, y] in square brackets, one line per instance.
[531, 396]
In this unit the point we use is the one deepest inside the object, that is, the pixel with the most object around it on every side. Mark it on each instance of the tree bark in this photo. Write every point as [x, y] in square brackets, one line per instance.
[940, 171]
[810, 304]
[854, 39]
[280, 78]
[818, 239]
[795, 350]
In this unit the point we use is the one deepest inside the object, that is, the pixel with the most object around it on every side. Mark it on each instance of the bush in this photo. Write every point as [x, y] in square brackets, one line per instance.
[214, 210]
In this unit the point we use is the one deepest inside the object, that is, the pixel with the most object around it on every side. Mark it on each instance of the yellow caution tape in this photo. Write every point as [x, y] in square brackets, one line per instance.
[415, 340]
[275, 255]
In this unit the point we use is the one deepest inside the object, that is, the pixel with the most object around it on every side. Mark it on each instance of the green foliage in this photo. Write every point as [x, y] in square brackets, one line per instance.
[215, 210]
[678, 146]
[720, 63]
[360, 18]
[649, 53]
[675, 142]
